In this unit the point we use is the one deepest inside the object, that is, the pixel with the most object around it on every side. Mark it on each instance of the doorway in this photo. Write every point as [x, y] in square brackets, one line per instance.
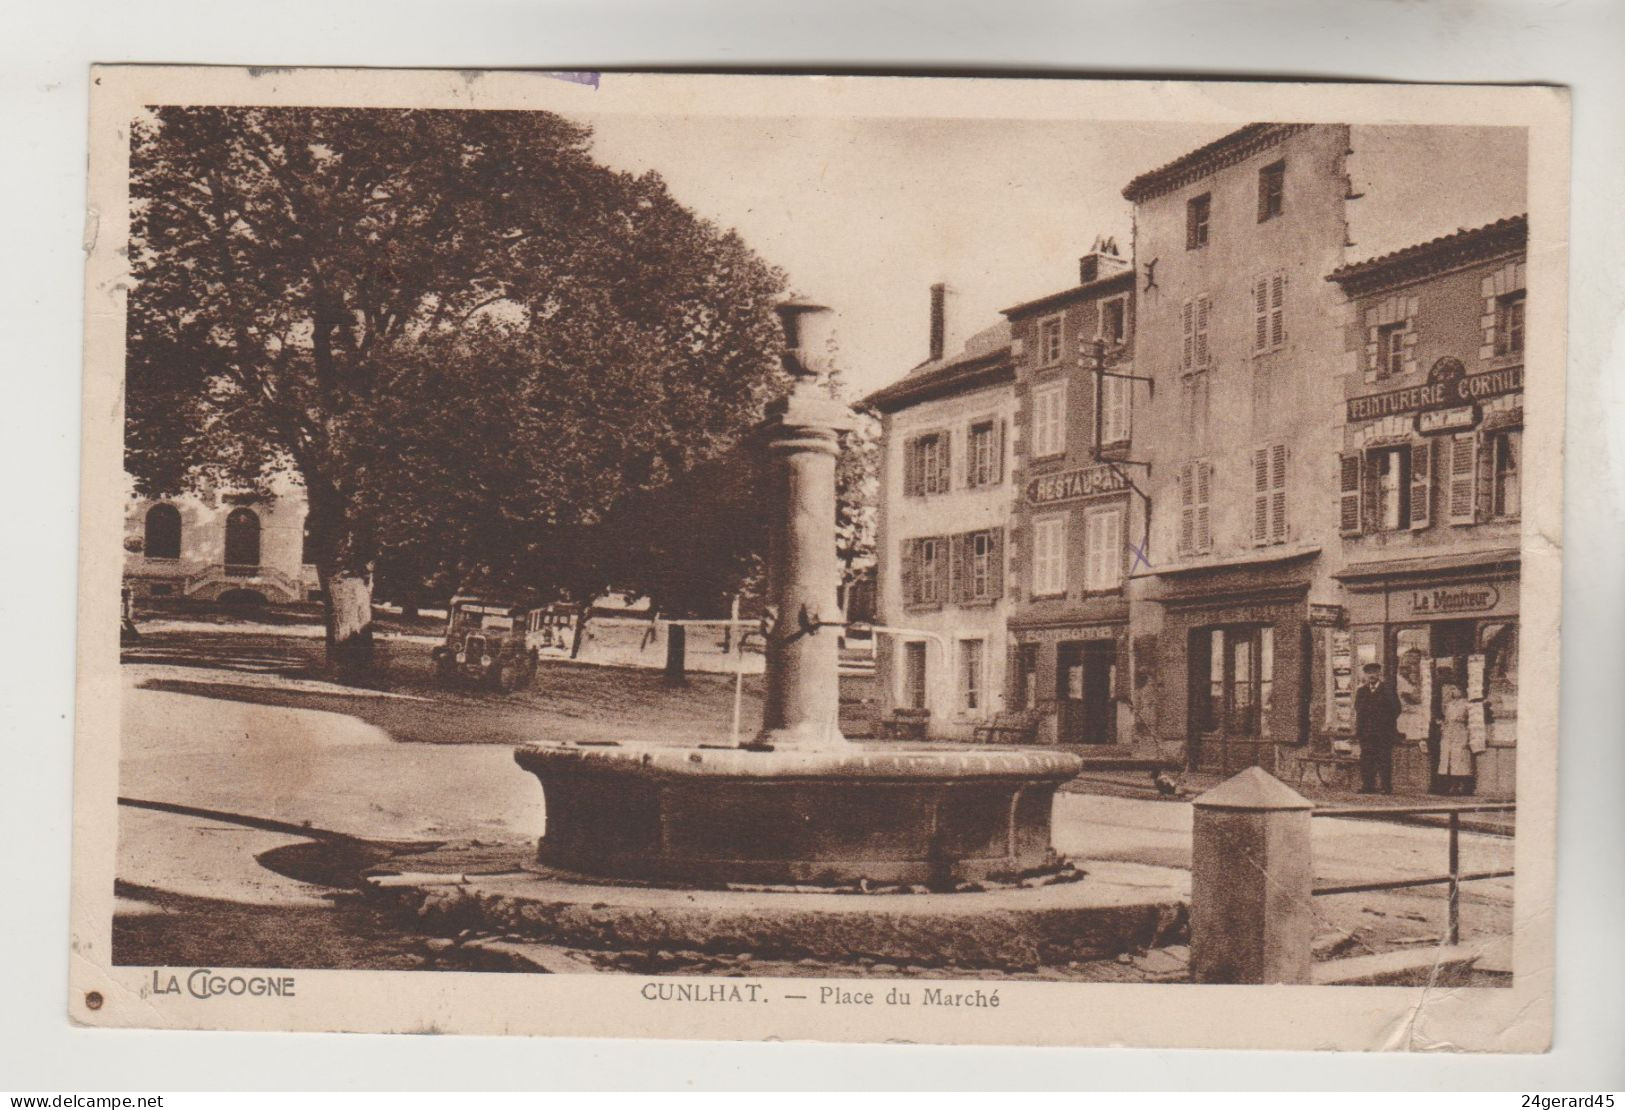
[1085, 671]
[242, 542]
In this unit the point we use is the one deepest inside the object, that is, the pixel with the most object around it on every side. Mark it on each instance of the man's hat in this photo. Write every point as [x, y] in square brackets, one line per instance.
[1372, 668]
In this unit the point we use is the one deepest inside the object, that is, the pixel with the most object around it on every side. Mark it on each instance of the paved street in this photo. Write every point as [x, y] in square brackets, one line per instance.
[222, 727]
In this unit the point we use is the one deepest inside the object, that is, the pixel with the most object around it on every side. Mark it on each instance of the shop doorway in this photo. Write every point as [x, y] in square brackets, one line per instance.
[1232, 688]
[1084, 674]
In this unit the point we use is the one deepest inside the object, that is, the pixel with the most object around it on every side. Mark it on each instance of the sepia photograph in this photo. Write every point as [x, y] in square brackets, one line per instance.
[842, 558]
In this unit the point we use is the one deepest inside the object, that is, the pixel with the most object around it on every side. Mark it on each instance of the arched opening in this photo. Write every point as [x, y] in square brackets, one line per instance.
[242, 542]
[163, 532]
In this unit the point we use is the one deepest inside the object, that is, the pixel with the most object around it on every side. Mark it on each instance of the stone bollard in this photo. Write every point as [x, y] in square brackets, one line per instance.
[1252, 873]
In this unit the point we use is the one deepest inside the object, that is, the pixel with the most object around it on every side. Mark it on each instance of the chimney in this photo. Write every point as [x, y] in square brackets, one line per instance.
[939, 319]
[1102, 261]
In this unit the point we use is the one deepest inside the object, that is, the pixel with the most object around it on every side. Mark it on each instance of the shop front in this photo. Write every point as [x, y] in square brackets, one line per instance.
[1234, 660]
[1074, 676]
[1438, 619]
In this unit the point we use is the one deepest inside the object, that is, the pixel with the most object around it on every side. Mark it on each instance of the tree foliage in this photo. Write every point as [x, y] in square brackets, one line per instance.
[471, 342]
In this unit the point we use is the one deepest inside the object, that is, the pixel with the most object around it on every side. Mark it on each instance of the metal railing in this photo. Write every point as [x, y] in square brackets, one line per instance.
[1454, 878]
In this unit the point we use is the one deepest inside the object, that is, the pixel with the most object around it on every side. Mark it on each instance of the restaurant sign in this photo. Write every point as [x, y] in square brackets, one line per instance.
[1069, 485]
[1448, 386]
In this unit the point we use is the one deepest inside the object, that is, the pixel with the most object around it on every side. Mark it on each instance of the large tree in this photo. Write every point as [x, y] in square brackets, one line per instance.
[469, 340]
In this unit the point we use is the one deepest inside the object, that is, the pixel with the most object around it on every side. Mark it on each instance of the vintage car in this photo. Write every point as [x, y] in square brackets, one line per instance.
[489, 643]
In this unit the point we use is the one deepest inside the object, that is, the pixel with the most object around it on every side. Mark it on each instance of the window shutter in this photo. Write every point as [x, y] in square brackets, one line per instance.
[995, 564]
[1261, 314]
[944, 545]
[1348, 493]
[909, 552]
[1463, 474]
[945, 454]
[1277, 309]
[957, 569]
[1121, 686]
[1204, 482]
[1112, 551]
[1278, 524]
[911, 467]
[1187, 321]
[1421, 484]
[1484, 501]
[965, 467]
[1187, 508]
[1261, 495]
[998, 451]
[1204, 309]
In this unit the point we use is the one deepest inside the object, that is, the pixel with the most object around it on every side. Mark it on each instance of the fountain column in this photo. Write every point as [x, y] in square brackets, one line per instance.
[802, 684]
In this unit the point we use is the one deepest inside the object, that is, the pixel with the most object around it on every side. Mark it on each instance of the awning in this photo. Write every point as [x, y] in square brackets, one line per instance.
[1504, 560]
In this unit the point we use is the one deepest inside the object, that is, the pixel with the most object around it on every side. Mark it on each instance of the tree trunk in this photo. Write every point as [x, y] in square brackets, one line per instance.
[580, 634]
[344, 565]
[676, 655]
[349, 621]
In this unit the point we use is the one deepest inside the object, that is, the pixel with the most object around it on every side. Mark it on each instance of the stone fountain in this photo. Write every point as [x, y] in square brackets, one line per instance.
[799, 803]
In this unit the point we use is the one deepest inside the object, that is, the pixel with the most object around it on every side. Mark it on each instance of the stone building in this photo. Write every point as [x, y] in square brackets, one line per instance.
[1235, 323]
[1077, 518]
[219, 546]
[1429, 491]
[945, 493]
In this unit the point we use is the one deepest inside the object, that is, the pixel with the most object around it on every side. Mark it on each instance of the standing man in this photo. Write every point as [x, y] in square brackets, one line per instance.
[1376, 715]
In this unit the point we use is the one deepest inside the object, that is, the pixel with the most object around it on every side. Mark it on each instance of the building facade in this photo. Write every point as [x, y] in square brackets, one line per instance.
[1077, 516]
[219, 546]
[1429, 496]
[941, 535]
[1235, 323]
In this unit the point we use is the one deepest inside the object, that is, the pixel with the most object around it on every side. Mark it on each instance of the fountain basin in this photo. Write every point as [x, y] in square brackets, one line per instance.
[825, 817]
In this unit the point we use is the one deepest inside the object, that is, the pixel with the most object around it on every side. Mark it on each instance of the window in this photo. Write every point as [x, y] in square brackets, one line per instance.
[1509, 324]
[1103, 549]
[1027, 676]
[927, 465]
[970, 675]
[1499, 643]
[977, 573]
[984, 457]
[1269, 312]
[1049, 557]
[914, 674]
[1387, 489]
[1116, 411]
[1269, 494]
[1113, 321]
[1234, 668]
[1049, 341]
[1392, 468]
[1197, 212]
[925, 571]
[1390, 350]
[1049, 406]
[1506, 456]
[1195, 520]
[163, 538]
[1271, 191]
[1195, 315]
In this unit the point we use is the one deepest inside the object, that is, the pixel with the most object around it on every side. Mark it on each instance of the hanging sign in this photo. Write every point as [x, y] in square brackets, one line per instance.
[1438, 422]
[1327, 616]
[1069, 485]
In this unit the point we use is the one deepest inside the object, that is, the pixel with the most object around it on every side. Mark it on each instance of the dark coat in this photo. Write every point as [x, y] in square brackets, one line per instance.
[1376, 712]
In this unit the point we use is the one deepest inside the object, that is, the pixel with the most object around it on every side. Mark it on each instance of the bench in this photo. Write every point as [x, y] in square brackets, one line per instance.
[905, 724]
[1337, 771]
[1017, 727]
